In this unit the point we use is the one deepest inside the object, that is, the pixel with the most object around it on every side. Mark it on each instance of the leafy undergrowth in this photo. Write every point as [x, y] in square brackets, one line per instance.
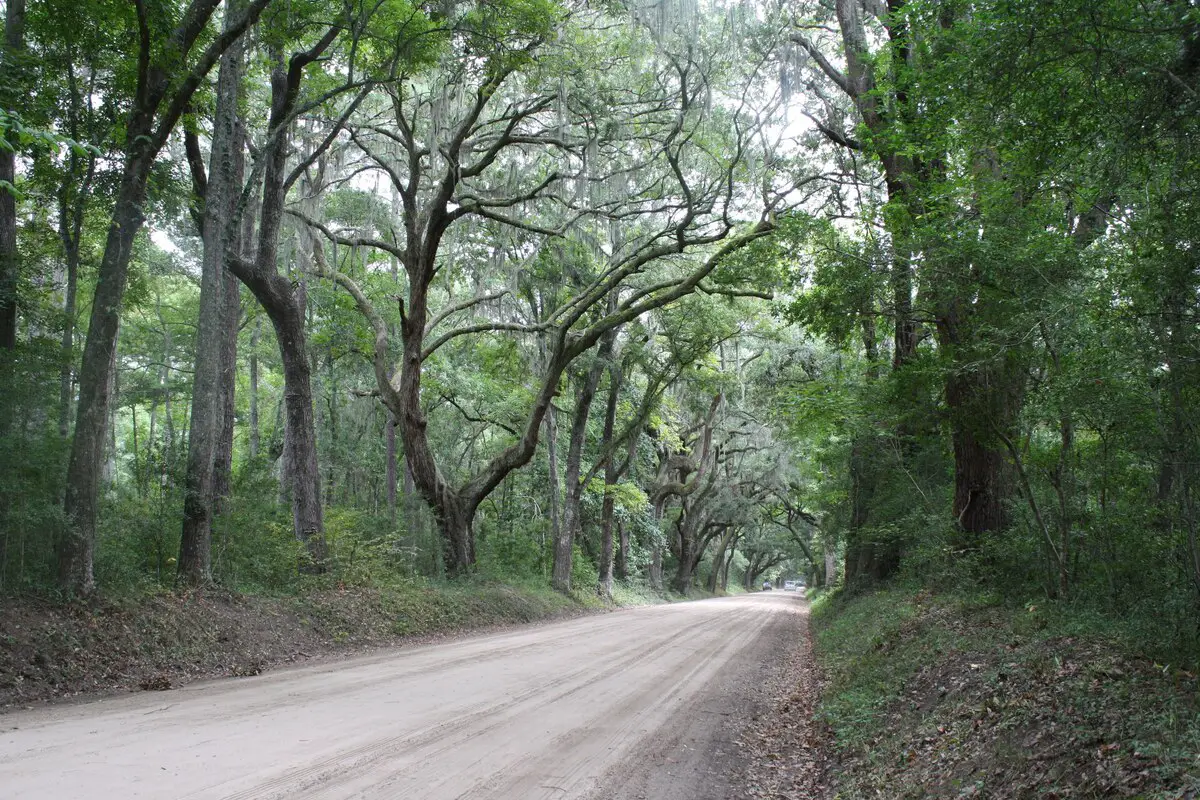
[164, 640]
[940, 696]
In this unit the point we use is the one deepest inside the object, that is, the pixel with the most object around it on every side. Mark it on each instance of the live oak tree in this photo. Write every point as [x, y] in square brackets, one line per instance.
[454, 134]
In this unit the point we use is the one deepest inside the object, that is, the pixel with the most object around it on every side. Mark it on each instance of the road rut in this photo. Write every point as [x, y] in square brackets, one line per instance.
[599, 707]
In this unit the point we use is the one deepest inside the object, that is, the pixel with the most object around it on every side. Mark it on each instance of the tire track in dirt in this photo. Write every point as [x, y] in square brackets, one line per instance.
[617, 729]
[436, 740]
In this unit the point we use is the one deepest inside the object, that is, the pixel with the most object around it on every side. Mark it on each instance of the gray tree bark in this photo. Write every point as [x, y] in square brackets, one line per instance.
[552, 476]
[560, 577]
[212, 388]
[616, 373]
[223, 459]
[286, 307]
[392, 475]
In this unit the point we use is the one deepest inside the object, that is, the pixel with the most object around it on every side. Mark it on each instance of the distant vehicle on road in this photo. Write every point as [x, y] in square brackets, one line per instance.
[789, 586]
[766, 586]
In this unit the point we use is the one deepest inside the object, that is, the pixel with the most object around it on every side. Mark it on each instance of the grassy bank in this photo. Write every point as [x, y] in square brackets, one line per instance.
[164, 639]
[960, 695]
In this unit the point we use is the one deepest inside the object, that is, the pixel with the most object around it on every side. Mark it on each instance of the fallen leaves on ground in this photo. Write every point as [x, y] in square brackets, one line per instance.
[785, 746]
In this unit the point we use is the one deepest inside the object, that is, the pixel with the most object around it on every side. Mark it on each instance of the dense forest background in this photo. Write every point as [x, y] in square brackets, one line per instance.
[664, 292]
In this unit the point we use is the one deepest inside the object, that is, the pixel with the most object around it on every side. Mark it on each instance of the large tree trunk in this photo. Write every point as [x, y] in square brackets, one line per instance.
[283, 306]
[693, 540]
[983, 403]
[213, 376]
[655, 570]
[307, 513]
[453, 510]
[286, 307]
[223, 459]
[688, 558]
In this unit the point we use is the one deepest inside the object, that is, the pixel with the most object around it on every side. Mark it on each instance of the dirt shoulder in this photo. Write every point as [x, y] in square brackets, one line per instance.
[784, 744]
[52, 651]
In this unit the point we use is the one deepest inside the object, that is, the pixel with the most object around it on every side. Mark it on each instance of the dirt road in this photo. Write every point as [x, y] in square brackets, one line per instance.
[640, 703]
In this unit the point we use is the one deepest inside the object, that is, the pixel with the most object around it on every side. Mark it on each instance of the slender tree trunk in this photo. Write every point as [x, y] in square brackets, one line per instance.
[563, 546]
[392, 475]
[70, 231]
[255, 428]
[718, 559]
[555, 488]
[752, 570]
[73, 197]
[728, 565]
[616, 373]
[655, 570]
[10, 58]
[331, 397]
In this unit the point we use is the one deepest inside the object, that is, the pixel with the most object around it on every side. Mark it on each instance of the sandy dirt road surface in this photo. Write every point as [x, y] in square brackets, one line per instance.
[640, 703]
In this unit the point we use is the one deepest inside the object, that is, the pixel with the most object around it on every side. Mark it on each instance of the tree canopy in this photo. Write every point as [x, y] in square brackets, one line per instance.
[661, 291]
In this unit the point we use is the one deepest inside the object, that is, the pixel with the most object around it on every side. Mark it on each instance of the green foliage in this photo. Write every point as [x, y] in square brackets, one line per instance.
[583, 571]
[513, 554]
[32, 455]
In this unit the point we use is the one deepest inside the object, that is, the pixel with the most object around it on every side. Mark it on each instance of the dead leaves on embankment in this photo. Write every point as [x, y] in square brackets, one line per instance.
[935, 698]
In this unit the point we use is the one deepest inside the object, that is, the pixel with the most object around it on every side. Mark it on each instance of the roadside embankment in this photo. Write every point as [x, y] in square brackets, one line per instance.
[940, 696]
[165, 639]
